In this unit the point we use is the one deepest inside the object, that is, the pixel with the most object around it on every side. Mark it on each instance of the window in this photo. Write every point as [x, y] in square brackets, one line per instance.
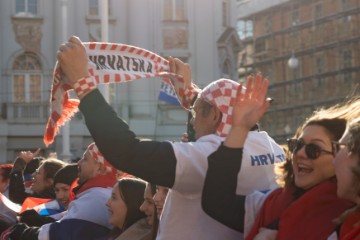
[295, 17]
[345, 5]
[94, 7]
[244, 29]
[26, 6]
[319, 65]
[27, 75]
[318, 11]
[346, 59]
[268, 24]
[174, 10]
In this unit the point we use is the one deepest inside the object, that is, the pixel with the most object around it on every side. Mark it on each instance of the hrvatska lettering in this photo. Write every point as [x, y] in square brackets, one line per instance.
[121, 63]
[266, 159]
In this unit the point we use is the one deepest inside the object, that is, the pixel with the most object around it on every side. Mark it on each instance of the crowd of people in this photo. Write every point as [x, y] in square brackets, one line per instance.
[232, 182]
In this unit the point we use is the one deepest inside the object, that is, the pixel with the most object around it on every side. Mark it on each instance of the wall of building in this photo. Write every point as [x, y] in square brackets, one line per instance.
[324, 36]
[134, 22]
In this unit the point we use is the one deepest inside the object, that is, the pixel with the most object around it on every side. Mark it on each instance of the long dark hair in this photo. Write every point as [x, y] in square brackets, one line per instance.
[132, 192]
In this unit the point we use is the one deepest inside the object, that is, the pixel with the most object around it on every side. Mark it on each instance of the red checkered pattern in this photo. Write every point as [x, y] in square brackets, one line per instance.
[97, 155]
[222, 94]
[62, 108]
[84, 85]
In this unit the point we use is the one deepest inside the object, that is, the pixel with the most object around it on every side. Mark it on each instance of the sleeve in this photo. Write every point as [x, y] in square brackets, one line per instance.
[219, 198]
[73, 229]
[32, 218]
[17, 192]
[152, 161]
[21, 231]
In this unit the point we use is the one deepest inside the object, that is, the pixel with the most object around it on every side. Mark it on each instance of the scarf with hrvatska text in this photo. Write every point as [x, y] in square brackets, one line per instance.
[110, 63]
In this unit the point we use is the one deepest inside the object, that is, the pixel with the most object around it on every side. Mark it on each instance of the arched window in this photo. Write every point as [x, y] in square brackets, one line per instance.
[27, 75]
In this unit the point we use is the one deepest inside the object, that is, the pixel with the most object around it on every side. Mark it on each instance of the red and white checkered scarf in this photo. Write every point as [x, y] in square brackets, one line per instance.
[110, 63]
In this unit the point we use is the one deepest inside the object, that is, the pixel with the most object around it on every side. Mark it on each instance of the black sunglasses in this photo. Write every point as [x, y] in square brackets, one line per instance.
[336, 146]
[312, 150]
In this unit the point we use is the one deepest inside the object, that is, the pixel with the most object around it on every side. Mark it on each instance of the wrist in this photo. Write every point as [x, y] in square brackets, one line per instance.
[84, 85]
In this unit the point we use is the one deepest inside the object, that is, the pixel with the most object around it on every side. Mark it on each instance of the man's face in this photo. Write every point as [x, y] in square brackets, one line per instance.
[203, 118]
[88, 168]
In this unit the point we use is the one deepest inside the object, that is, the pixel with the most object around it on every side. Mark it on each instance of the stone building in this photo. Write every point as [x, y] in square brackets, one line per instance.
[200, 32]
[310, 50]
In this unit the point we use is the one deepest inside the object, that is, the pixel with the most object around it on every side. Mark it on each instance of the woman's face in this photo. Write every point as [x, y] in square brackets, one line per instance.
[39, 182]
[148, 206]
[62, 192]
[310, 172]
[344, 162]
[159, 199]
[117, 208]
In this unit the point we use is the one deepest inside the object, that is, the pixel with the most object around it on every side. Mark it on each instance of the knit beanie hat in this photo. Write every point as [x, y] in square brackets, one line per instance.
[67, 174]
[222, 94]
[97, 155]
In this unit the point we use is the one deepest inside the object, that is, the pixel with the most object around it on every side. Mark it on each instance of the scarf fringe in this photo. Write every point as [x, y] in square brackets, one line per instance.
[70, 107]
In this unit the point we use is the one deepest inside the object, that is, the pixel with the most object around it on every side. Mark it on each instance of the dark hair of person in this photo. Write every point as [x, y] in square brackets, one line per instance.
[132, 192]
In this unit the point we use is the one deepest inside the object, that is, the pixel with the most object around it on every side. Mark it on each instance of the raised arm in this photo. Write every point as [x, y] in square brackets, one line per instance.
[219, 199]
[149, 160]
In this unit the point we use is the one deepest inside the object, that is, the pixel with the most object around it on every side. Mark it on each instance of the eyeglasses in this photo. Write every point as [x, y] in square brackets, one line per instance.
[336, 146]
[193, 112]
[312, 150]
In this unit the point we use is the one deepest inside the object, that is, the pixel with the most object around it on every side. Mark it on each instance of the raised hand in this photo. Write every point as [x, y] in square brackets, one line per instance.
[73, 60]
[179, 67]
[250, 105]
[27, 156]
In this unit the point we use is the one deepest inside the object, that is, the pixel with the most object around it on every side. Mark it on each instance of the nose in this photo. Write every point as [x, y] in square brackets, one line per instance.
[142, 207]
[108, 203]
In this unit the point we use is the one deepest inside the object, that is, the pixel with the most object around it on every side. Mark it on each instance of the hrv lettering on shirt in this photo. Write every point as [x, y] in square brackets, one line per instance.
[118, 62]
[266, 159]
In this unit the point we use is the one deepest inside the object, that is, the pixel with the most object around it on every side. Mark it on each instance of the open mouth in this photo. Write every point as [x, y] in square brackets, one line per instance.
[304, 169]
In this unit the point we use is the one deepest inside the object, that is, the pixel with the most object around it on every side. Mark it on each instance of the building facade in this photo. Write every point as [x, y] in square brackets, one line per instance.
[200, 32]
[309, 49]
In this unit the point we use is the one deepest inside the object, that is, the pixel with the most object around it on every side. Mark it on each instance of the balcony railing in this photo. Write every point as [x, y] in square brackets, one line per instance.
[27, 112]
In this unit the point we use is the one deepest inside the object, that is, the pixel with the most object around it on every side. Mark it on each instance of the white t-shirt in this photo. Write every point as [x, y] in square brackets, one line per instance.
[183, 217]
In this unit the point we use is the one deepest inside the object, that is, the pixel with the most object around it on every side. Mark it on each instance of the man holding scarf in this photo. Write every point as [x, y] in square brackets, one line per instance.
[179, 166]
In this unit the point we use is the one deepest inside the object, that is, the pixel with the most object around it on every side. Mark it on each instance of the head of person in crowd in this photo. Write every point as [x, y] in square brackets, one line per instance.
[93, 164]
[63, 183]
[159, 199]
[310, 155]
[29, 170]
[211, 111]
[43, 177]
[347, 163]
[5, 170]
[124, 203]
[148, 206]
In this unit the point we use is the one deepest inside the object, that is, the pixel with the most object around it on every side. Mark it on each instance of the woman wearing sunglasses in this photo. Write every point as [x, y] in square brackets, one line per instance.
[306, 206]
[347, 169]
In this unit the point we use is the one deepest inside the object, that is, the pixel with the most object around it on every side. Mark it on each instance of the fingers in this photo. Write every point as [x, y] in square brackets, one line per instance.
[37, 152]
[75, 40]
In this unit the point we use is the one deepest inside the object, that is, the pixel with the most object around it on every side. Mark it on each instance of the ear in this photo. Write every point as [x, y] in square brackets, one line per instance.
[216, 116]
[50, 181]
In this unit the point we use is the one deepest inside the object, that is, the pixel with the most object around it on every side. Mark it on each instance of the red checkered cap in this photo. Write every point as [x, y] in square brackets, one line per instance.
[97, 155]
[222, 94]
